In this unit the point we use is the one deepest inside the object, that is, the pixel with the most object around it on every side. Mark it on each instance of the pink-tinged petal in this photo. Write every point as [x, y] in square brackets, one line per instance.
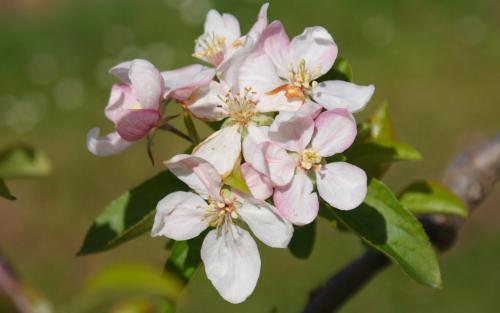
[251, 153]
[297, 201]
[232, 262]
[316, 47]
[147, 83]
[121, 71]
[342, 185]
[335, 132]
[120, 101]
[135, 124]
[225, 25]
[259, 184]
[197, 173]
[180, 83]
[265, 222]
[234, 57]
[107, 145]
[280, 165]
[258, 72]
[180, 216]
[333, 94]
[292, 133]
[277, 102]
[206, 104]
[261, 22]
[275, 43]
[222, 149]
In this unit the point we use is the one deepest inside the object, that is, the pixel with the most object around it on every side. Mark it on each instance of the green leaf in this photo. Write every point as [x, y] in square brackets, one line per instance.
[130, 215]
[5, 192]
[374, 156]
[185, 258]
[303, 239]
[235, 179]
[23, 161]
[427, 197]
[341, 70]
[383, 223]
[380, 123]
[127, 286]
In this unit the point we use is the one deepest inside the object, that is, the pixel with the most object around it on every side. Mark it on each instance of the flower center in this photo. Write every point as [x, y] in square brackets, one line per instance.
[222, 212]
[300, 82]
[212, 48]
[241, 107]
[310, 159]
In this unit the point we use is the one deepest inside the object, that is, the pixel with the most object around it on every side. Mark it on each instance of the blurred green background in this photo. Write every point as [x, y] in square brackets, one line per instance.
[436, 62]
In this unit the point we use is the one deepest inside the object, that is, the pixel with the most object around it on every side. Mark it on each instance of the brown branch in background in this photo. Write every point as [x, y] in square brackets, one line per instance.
[471, 176]
[11, 286]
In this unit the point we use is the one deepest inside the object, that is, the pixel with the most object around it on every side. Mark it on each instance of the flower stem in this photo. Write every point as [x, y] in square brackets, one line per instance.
[191, 128]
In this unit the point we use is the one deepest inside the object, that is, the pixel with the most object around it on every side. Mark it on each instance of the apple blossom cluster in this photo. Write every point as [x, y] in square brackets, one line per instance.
[280, 127]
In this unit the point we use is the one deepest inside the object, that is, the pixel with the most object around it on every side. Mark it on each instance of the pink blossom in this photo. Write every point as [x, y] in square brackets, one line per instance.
[296, 158]
[229, 253]
[284, 72]
[133, 107]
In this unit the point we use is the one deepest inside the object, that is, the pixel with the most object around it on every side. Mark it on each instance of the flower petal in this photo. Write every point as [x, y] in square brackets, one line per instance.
[180, 83]
[280, 165]
[225, 25]
[147, 83]
[259, 184]
[136, 124]
[335, 132]
[232, 262]
[206, 104]
[334, 94]
[317, 48]
[258, 72]
[297, 201]
[180, 216]
[275, 43]
[121, 70]
[292, 133]
[222, 149]
[197, 173]
[120, 100]
[107, 145]
[261, 22]
[251, 152]
[342, 185]
[266, 223]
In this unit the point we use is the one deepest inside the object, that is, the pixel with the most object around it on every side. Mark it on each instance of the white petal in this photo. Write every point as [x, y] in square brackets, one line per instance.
[266, 223]
[197, 173]
[180, 83]
[275, 43]
[297, 201]
[107, 145]
[335, 132]
[317, 48]
[292, 133]
[180, 216]
[280, 165]
[277, 102]
[251, 153]
[333, 94]
[259, 184]
[121, 71]
[258, 72]
[342, 185]
[147, 83]
[222, 149]
[226, 26]
[232, 263]
[261, 22]
[206, 103]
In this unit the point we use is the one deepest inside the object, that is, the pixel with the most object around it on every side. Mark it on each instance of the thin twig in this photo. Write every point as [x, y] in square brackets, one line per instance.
[472, 175]
[172, 129]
